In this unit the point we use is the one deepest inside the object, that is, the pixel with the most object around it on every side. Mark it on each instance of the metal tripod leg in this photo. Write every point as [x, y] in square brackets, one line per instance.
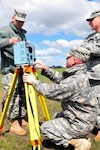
[43, 107]
[9, 96]
[42, 102]
[30, 93]
[35, 137]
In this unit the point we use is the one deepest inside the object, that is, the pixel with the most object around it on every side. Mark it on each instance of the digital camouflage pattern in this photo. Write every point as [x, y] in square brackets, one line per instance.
[78, 115]
[92, 45]
[93, 15]
[17, 106]
[90, 51]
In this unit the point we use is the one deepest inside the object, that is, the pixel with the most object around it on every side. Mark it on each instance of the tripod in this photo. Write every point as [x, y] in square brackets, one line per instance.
[32, 113]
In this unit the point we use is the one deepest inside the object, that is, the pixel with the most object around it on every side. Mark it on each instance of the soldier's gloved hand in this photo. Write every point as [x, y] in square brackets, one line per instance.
[39, 64]
[28, 78]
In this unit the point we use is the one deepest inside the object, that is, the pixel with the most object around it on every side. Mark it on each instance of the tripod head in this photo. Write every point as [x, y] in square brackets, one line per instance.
[24, 53]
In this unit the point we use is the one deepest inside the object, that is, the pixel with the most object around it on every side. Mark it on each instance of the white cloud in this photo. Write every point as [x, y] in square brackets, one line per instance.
[56, 47]
[62, 44]
[52, 17]
[48, 51]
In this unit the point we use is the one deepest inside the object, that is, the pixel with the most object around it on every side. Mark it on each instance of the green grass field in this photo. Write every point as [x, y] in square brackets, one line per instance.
[10, 141]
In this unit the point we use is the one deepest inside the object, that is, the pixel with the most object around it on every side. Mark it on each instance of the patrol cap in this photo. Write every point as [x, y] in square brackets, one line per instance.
[79, 52]
[20, 15]
[74, 54]
[93, 15]
[68, 55]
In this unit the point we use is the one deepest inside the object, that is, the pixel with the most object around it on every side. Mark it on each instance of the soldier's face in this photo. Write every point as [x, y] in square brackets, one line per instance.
[17, 23]
[70, 62]
[95, 24]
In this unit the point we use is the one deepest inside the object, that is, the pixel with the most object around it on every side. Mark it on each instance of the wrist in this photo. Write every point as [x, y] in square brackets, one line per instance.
[44, 68]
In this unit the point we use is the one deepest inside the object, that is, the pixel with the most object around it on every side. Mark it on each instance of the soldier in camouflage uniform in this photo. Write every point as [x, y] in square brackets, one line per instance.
[90, 53]
[10, 35]
[78, 115]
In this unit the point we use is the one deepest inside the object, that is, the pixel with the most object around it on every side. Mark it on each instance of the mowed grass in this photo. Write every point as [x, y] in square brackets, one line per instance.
[10, 141]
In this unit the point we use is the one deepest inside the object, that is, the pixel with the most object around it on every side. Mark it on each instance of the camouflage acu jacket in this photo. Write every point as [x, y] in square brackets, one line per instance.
[90, 50]
[72, 89]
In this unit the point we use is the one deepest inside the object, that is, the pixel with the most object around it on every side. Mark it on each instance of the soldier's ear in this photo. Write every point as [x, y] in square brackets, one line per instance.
[13, 18]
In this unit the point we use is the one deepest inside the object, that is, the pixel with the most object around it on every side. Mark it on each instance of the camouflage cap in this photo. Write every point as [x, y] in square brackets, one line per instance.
[20, 15]
[93, 15]
[68, 55]
[79, 52]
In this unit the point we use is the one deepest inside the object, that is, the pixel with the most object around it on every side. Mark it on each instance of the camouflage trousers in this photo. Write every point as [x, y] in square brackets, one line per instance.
[96, 91]
[17, 106]
[60, 130]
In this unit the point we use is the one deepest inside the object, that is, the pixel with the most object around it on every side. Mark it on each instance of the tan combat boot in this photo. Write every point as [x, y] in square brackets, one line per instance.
[97, 137]
[17, 129]
[81, 144]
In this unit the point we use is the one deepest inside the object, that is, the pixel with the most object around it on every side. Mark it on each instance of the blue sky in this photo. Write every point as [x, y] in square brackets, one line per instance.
[54, 26]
